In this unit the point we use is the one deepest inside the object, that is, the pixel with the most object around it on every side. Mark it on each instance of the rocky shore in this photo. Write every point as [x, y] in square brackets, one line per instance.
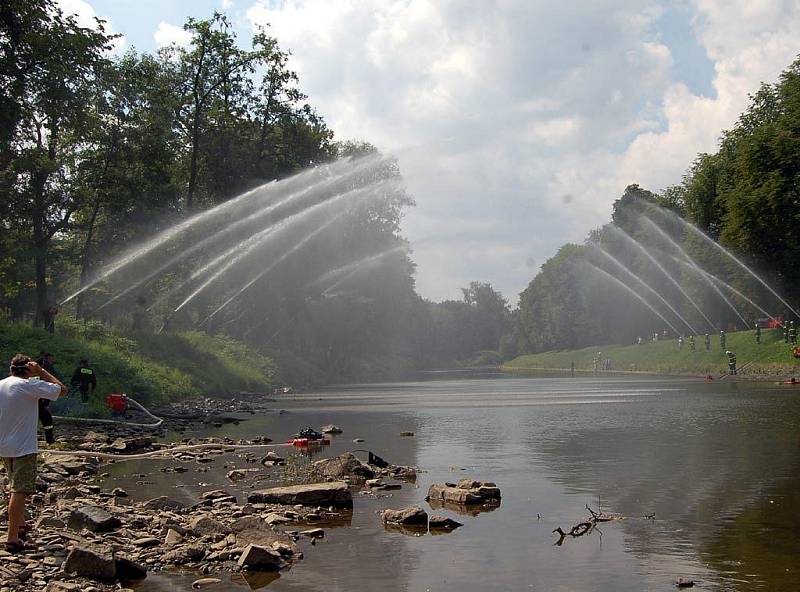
[90, 539]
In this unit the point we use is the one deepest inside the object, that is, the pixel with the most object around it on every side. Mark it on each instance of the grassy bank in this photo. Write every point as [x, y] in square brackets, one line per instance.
[151, 368]
[771, 358]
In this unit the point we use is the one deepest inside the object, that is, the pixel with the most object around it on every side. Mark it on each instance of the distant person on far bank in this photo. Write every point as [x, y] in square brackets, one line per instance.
[731, 362]
[84, 379]
[758, 333]
[50, 318]
[19, 412]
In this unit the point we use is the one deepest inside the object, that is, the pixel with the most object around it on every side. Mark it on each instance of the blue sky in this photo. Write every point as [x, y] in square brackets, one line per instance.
[517, 123]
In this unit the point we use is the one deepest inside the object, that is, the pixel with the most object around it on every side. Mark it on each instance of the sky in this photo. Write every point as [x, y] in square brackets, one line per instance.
[517, 123]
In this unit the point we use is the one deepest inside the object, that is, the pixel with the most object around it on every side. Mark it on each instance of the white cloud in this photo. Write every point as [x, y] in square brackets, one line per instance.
[497, 111]
[85, 16]
[167, 34]
[227, 4]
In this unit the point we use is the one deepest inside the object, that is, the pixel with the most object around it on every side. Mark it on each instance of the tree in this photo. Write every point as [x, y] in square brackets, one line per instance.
[51, 68]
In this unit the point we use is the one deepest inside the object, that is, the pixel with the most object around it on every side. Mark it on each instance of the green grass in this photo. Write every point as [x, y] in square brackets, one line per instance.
[151, 368]
[770, 358]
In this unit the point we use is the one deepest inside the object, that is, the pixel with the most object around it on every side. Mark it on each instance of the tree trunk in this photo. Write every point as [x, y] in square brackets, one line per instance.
[193, 164]
[40, 252]
[86, 258]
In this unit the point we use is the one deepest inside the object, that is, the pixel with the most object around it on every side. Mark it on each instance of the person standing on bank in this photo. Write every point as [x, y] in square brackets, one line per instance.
[19, 414]
[84, 379]
[46, 361]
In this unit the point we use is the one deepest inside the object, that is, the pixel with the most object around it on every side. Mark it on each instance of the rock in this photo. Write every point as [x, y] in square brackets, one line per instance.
[410, 516]
[129, 570]
[239, 474]
[95, 437]
[272, 459]
[331, 429]
[204, 525]
[215, 494]
[466, 492]
[91, 562]
[274, 518]
[185, 554]
[261, 558]
[93, 518]
[56, 586]
[443, 522]
[197, 584]
[376, 483]
[335, 493]
[173, 537]
[119, 492]
[146, 542]
[358, 440]
[407, 434]
[344, 465]
[50, 522]
[163, 503]
[313, 533]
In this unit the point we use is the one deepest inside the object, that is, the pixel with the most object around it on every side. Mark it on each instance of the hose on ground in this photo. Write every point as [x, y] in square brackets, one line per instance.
[157, 423]
[164, 453]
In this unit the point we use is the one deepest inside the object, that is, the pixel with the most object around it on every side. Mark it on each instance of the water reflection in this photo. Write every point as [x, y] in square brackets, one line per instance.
[717, 464]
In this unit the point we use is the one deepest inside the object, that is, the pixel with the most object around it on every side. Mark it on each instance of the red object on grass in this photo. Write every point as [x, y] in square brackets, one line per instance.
[117, 402]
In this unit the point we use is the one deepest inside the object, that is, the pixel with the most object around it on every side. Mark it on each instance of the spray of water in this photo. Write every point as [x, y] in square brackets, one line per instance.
[691, 261]
[633, 293]
[244, 252]
[628, 238]
[641, 282]
[735, 259]
[310, 236]
[329, 178]
[341, 274]
[719, 282]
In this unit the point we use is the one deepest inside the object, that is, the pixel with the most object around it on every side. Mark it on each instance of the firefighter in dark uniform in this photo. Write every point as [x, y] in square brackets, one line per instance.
[792, 333]
[731, 362]
[84, 380]
[46, 361]
[708, 342]
[691, 343]
[785, 332]
[758, 333]
[722, 340]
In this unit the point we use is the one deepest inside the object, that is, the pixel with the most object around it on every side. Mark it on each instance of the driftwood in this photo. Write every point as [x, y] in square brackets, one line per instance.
[585, 527]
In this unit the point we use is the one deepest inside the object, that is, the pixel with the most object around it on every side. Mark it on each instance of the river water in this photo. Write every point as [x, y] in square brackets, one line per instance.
[718, 464]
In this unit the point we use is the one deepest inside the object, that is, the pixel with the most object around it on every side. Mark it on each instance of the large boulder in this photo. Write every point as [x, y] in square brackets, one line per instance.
[335, 493]
[443, 523]
[129, 570]
[93, 518]
[206, 525]
[256, 557]
[465, 492]
[96, 563]
[410, 516]
[344, 465]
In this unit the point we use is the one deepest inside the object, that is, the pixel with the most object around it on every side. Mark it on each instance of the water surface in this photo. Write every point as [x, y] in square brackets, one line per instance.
[717, 464]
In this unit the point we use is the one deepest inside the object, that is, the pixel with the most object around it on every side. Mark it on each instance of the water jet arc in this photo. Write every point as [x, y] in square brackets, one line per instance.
[719, 282]
[633, 293]
[663, 270]
[733, 257]
[636, 278]
[692, 262]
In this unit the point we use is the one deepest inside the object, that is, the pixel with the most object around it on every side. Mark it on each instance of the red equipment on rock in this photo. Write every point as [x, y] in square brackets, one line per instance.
[117, 403]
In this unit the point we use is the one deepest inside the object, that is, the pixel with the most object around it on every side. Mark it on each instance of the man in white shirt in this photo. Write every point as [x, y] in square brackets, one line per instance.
[19, 416]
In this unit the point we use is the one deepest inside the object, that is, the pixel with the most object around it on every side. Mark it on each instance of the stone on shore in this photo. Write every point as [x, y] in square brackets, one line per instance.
[163, 503]
[129, 570]
[331, 429]
[410, 516]
[91, 562]
[335, 493]
[465, 492]
[256, 557]
[344, 465]
[443, 522]
[93, 518]
[205, 525]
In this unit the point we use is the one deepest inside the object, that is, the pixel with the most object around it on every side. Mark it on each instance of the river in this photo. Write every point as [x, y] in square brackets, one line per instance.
[717, 464]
